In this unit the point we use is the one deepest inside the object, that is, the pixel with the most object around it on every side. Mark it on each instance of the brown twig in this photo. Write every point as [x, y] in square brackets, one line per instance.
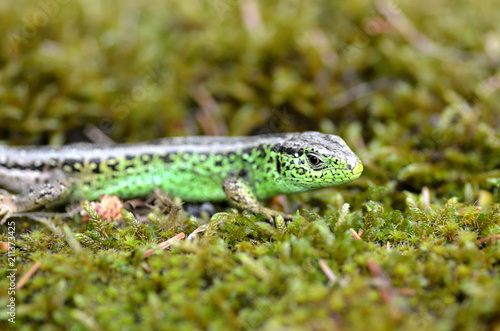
[146, 267]
[250, 12]
[27, 275]
[493, 237]
[165, 244]
[332, 278]
[355, 235]
[384, 282]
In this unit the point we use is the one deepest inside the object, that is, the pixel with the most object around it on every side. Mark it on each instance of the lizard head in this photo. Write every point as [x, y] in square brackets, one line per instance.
[312, 160]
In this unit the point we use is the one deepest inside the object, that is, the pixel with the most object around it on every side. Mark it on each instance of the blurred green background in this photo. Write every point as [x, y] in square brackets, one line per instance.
[412, 86]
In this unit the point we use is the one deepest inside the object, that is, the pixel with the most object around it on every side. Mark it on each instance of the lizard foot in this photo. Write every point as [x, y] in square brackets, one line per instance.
[7, 207]
[240, 194]
[276, 218]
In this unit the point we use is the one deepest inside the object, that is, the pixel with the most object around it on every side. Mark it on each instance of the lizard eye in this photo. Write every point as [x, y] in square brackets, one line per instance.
[314, 160]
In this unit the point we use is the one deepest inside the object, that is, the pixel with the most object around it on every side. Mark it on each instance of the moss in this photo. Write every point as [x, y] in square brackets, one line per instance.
[420, 108]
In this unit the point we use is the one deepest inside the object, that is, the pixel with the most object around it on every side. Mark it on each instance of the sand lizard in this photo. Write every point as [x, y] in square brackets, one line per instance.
[242, 170]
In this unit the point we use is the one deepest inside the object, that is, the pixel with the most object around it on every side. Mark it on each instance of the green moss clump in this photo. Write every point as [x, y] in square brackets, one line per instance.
[412, 87]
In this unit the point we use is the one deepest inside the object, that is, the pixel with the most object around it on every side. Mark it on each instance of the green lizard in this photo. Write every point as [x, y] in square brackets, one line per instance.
[242, 170]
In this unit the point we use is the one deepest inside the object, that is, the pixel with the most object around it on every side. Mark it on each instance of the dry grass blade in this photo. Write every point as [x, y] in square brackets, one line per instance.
[195, 233]
[355, 235]
[492, 238]
[165, 244]
[332, 278]
[383, 281]
[27, 276]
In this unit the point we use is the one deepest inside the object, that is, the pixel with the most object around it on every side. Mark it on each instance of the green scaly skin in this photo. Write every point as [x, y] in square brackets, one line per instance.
[242, 170]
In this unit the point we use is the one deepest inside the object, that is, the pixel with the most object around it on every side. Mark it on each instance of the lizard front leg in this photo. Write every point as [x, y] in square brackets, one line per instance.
[34, 197]
[239, 193]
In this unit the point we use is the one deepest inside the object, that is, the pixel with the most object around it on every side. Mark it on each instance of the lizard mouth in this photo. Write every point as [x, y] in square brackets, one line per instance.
[358, 169]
